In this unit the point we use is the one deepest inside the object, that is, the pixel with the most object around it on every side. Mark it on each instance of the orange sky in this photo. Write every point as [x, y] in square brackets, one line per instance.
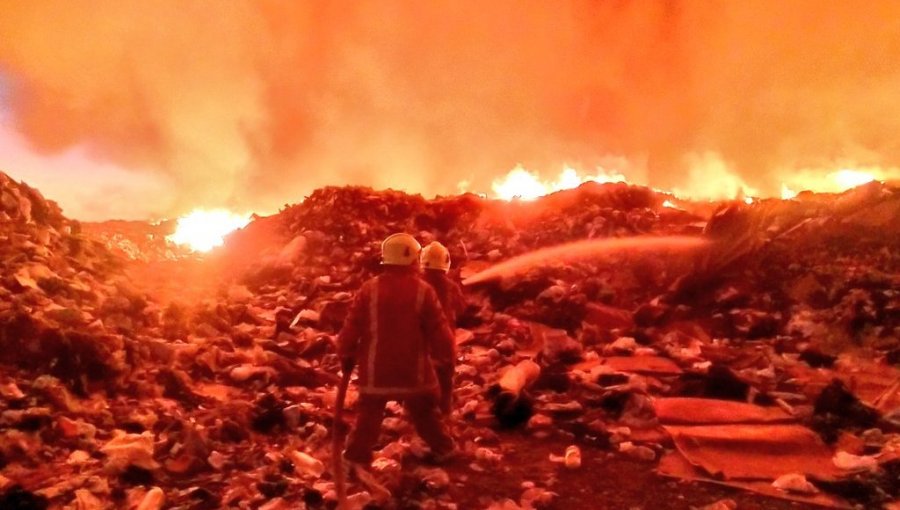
[144, 109]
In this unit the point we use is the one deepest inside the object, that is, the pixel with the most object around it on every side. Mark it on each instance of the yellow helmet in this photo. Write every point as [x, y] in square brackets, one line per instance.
[400, 250]
[436, 256]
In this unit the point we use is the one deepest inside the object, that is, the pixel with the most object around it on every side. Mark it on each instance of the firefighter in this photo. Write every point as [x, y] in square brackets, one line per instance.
[397, 333]
[435, 262]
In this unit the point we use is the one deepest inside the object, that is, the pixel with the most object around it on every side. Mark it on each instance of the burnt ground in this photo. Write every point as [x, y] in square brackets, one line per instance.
[605, 481]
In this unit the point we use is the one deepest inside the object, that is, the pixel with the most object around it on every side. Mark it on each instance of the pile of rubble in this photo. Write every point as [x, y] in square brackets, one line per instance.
[775, 349]
[137, 240]
[64, 309]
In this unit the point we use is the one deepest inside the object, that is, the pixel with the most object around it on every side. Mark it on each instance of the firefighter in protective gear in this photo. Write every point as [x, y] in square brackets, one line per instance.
[400, 250]
[397, 334]
[435, 262]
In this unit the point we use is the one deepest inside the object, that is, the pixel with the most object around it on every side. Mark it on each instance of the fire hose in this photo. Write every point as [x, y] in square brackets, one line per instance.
[337, 437]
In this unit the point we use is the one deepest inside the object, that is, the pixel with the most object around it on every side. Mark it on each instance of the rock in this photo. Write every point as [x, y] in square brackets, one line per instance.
[850, 462]
[608, 318]
[154, 500]
[435, 479]
[795, 482]
[245, 372]
[11, 391]
[306, 465]
[486, 455]
[536, 497]
[217, 460]
[722, 504]
[540, 421]
[359, 501]
[75, 428]
[622, 345]
[78, 457]
[637, 452]
[125, 450]
[556, 345]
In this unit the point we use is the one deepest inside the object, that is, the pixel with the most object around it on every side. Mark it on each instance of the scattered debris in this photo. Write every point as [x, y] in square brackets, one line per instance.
[135, 400]
[795, 482]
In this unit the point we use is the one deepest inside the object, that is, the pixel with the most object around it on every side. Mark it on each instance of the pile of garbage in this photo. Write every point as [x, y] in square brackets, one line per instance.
[775, 348]
[137, 240]
[65, 311]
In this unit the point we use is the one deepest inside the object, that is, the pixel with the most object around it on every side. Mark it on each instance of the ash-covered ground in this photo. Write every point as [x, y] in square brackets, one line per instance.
[760, 368]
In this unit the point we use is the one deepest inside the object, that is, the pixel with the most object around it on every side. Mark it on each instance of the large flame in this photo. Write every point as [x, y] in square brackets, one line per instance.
[848, 178]
[523, 184]
[834, 182]
[202, 230]
[710, 179]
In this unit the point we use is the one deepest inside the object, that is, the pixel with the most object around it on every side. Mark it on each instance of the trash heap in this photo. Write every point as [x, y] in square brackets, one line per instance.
[768, 362]
[65, 311]
[137, 240]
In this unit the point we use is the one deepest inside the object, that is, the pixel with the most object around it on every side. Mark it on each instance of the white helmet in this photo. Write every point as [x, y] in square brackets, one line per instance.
[435, 256]
[400, 250]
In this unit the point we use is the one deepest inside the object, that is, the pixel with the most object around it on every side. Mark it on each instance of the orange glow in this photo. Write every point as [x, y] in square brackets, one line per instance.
[711, 177]
[787, 193]
[203, 230]
[523, 184]
[266, 101]
[834, 182]
[847, 179]
[668, 203]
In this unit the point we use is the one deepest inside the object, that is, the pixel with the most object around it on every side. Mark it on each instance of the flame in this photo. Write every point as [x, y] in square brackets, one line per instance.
[848, 178]
[787, 193]
[668, 203]
[834, 182]
[710, 178]
[523, 184]
[202, 230]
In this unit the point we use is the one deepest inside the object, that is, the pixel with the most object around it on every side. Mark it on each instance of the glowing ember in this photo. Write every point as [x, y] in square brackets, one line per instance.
[668, 203]
[523, 184]
[203, 230]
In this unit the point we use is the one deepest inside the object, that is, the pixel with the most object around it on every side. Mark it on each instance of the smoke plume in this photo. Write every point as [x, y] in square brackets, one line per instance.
[250, 104]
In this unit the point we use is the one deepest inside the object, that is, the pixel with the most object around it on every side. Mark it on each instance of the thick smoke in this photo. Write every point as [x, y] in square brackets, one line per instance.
[251, 104]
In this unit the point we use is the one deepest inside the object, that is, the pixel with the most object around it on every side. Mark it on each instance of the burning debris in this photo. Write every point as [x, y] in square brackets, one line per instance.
[764, 359]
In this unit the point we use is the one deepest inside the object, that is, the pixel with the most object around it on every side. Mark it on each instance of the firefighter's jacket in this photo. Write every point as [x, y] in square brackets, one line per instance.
[449, 293]
[397, 333]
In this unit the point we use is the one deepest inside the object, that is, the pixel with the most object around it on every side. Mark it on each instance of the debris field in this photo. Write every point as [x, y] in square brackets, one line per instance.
[757, 370]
